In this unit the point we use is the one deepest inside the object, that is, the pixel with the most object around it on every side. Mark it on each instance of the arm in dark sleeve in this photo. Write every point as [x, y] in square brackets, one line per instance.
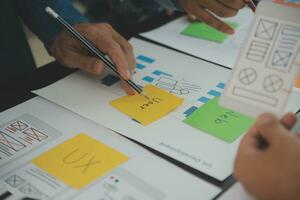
[45, 27]
[170, 4]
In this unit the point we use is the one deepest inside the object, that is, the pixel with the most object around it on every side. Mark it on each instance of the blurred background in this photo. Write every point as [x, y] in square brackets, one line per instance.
[126, 16]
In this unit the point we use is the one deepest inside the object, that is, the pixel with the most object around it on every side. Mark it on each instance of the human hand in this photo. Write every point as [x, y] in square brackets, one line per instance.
[71, 53]
[274, 172]
[205, 10]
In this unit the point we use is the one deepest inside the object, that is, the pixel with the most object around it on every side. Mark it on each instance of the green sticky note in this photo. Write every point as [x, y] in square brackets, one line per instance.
[206, 32]
[218, 121]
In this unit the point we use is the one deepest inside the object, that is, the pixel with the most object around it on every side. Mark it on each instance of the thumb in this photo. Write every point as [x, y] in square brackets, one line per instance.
[269, 127]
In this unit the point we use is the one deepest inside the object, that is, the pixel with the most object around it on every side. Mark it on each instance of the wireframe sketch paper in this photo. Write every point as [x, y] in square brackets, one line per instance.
[117, 176]
[268, 64]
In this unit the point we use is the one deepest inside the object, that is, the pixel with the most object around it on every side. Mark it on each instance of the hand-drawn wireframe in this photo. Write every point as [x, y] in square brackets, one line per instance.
[251, 95]
[281, 58]
[19, 125]
[289, 36]
[29, 189]
[10, 142]
[175, 86]
[247, 76]
[272, 83]
[266, 29]
[14, 181]
[21, 135]
[35, 134]
[257, 51]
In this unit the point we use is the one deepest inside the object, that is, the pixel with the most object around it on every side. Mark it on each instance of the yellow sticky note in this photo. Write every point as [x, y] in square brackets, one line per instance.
[80, 160]
[146, 110]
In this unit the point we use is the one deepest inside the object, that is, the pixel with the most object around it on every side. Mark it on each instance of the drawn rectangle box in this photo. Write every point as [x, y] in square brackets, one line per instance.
[257, 51]
[266, 29]
[254, 96]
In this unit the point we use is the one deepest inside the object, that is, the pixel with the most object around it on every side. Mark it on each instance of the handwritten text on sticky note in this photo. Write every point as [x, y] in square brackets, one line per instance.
[80, 160]
[219, 122]
[146, 110]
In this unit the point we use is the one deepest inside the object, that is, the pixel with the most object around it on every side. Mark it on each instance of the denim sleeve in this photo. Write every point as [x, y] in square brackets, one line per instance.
[45, 27]
[170, 4]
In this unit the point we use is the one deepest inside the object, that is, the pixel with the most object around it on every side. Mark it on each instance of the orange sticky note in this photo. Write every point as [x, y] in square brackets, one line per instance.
[144, 110]
[298, 82]
[80, 160]
[294, 3]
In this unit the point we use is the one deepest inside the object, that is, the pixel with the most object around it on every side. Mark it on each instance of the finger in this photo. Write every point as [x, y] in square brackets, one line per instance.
[127, 88]
[269, 127]
[289, 120]
[233, 4]
[116, 54]
[219, 9]
[212, 21]
[191, 17]
[249, 141]
[127, 49]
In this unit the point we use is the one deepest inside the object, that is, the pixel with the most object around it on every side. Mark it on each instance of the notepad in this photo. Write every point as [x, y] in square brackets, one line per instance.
[220, 122]
[206, 32]
[144, 110]
[80, 160]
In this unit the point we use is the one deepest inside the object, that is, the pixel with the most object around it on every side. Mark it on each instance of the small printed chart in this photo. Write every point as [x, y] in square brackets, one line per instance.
[22, 135]
[266, 29]
[273, 83]
[247, 76]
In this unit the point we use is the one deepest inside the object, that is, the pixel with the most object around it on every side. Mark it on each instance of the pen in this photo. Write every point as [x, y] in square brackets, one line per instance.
[98, 53]
[251, 5]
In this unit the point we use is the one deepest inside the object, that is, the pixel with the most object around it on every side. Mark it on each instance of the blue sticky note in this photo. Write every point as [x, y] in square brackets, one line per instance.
[145, 59]
[221, 85]
[214, 93]
[148, 79]
[140, 66]
[203, 100]
[190, 110]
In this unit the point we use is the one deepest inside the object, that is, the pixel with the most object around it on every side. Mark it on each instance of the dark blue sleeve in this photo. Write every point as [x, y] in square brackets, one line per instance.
[45, 27]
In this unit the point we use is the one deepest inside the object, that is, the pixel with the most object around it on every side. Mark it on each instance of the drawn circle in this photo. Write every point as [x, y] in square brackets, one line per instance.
[247, 76]
[272, 83]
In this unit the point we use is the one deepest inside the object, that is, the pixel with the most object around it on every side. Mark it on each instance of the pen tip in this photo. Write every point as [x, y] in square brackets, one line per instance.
[145, 95]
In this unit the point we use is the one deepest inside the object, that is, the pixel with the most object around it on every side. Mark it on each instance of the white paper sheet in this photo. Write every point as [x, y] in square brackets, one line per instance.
[86, 96]
[236, 192]
[143, 176]
[221, 53]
